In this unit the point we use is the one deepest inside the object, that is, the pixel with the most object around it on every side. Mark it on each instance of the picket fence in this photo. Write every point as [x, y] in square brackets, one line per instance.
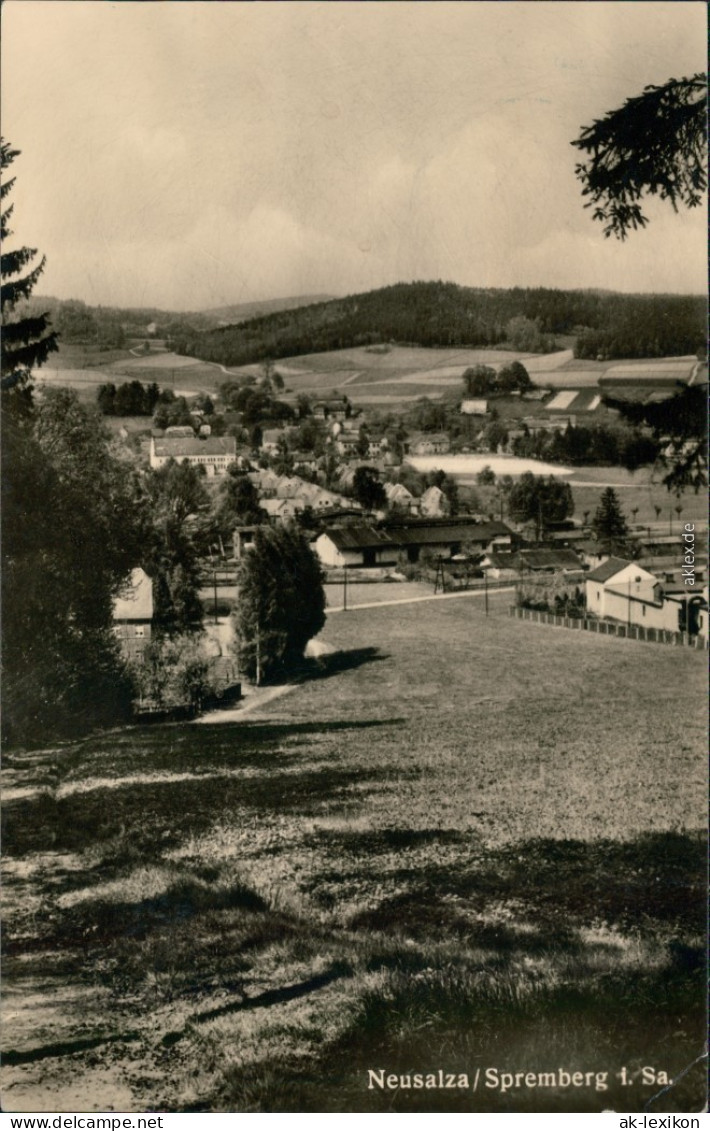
[611, 628]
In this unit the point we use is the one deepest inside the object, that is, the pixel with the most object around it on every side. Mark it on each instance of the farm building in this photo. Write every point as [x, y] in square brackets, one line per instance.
[504, 565]
[356, 546]
[133, 614]
[214, 453]
[555, 560]
[368, 545]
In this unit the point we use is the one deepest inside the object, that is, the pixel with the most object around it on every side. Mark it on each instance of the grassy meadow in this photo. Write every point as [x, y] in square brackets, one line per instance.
[462, 842]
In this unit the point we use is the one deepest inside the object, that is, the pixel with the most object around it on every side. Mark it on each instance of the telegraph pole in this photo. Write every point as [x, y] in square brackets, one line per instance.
[345, 588]
[485, 590]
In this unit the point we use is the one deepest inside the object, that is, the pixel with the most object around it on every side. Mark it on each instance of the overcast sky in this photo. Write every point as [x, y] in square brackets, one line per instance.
[190, 154]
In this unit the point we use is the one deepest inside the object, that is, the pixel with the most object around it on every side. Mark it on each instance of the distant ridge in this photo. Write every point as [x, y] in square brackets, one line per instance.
[243, 311]
[601, 324]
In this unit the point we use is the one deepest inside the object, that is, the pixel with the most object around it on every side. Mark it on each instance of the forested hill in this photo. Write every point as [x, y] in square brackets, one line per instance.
[444, 314]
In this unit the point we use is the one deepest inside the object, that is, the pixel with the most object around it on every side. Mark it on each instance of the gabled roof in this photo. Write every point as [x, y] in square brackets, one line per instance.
[502, 559]
[550, 559]
[608, 569]
[357, 538]
[446, 532]
[135, 600]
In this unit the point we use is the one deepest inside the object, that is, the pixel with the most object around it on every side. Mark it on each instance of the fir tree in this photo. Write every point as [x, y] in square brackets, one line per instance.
[609, 524]
[27, 339]
[656, 143]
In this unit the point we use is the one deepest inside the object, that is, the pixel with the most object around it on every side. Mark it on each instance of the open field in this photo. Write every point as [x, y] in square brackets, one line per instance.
[464, 842]
[386, 380]
[403, 373]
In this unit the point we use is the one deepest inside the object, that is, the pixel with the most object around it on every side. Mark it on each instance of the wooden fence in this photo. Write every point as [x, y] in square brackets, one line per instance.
[612, 628]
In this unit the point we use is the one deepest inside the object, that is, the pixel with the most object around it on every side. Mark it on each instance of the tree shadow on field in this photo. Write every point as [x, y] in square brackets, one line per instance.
[654, 879]
[150, 817]
[334, 663]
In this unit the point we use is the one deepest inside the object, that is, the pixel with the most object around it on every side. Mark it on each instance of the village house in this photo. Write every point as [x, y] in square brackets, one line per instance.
[331, 408]
[347, 444]
[399, 498]
[431, 444]
[282, 509]
[214, 453]
[304, 461]
[623, 591]
[133, 614]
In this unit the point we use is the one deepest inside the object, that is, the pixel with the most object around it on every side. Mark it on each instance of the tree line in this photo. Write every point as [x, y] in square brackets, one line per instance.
[448, 315]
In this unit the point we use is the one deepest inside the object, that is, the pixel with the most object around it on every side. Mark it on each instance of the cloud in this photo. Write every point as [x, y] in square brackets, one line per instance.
[173, 152]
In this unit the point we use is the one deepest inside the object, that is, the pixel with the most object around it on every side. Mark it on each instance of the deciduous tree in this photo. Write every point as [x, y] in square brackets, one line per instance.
[368, 488]
[539, 500]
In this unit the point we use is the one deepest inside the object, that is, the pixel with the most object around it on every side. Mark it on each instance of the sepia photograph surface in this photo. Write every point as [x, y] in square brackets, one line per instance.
[354, 556]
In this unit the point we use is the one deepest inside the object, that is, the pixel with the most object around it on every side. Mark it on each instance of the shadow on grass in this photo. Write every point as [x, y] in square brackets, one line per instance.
[151, 817]
[262, 1001]
[323, 667]
[656, 877]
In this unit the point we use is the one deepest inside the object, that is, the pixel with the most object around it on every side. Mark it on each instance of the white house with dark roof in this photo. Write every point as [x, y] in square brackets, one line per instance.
[356, 546]
[620, 590]
[611, 585]
[214, 453]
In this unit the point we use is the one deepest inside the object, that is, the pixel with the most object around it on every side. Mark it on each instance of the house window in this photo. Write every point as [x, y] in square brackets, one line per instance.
[140, 630]
[643, 610]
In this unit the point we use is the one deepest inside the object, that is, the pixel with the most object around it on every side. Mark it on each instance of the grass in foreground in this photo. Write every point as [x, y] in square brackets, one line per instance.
[476, 848]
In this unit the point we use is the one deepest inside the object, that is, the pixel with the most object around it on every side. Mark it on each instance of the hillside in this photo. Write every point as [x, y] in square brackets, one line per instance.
[243, 311]
[446, 315]
[435, 854]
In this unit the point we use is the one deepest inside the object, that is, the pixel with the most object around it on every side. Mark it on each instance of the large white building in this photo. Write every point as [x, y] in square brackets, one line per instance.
[214, 453]
[622, 591]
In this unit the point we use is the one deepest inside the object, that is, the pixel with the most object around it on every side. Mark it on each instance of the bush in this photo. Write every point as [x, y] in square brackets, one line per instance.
[173, 673]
